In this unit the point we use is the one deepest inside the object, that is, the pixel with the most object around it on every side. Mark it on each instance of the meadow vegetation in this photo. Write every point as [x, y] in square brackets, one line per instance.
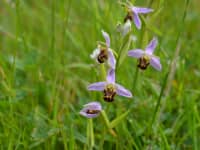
[45, 68]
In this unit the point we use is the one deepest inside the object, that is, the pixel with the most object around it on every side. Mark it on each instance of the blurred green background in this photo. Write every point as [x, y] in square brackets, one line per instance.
[45, 68]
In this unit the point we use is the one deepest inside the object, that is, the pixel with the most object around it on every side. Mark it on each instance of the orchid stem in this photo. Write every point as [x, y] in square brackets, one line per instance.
[104, 115]
[103, 72]
[126, 41]
[135, 78]
[159, 99]
[90, 134]
[107, 122]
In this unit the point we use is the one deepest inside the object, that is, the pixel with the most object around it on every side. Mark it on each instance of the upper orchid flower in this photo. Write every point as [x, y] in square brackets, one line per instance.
[133, 14]
[110, 88]
[146, 57]
[91, 110]
[103, 53]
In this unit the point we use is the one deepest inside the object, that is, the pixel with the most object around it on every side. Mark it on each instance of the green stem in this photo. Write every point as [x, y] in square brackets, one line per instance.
[64, 136]
[52, 55]
[126, 41]
[103, 72]
[52, 27]
[105, 118]
[17, 26]
[135, 78]
[159, 99]
[90, 134]
[182, 24]
[150, 3]
[55, 109]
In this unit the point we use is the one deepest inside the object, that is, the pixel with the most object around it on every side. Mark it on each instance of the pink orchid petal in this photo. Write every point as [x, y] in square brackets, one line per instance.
[151, 46]
[122, 91]
[111, 59]
[141, 10]
[98, 86]
[111, 76]
[137, 53]
[137, 21]
[106, 37]
[155, 62]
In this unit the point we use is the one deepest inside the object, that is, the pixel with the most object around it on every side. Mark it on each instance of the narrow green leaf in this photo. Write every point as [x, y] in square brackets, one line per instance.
[105, 118]
[151, 27]
[167, 147]
[118, 119]
[124, 48]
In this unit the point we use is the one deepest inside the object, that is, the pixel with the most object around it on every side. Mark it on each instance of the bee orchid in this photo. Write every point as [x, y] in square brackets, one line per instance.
[103, 53]
[146, 57]
[133, 14]
[109, 87]
[91, 110]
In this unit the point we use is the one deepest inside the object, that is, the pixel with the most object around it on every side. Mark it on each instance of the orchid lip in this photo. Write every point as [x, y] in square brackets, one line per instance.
[103, 56]
[109, 92]
[143, 62]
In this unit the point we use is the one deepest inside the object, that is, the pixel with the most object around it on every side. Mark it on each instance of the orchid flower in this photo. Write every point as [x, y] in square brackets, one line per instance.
[146, 57]
[109, 87]
[103, 53]
[91, 110]
[133, 14]
[125, 28]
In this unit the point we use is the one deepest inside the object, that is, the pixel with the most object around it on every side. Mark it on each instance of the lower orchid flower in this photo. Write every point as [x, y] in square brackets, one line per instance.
[146, 57]
[110, 88]
[91, 110]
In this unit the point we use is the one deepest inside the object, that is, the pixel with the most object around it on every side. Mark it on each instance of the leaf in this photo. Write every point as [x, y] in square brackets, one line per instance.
[124, 49]
[151, 27]
[105, 118]
[118, 119]
[80, 137]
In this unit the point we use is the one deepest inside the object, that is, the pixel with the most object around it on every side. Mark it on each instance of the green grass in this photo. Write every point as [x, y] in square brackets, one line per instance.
[45, 68]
